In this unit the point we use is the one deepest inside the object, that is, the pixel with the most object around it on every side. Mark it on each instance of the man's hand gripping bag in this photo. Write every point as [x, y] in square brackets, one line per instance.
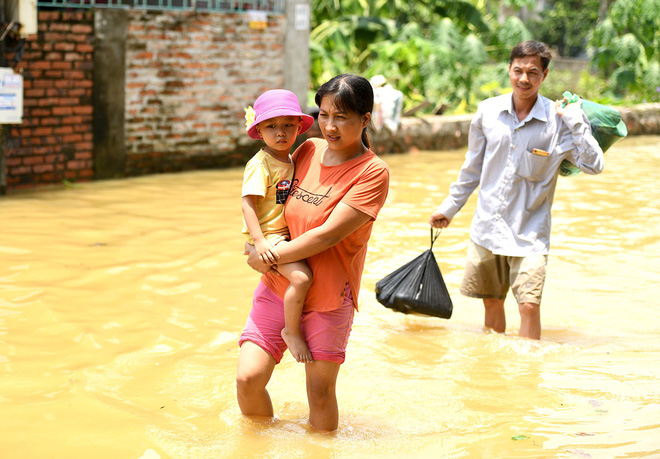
[416, 287]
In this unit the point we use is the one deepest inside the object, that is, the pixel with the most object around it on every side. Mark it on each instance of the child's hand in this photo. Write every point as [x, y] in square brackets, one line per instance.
[266, 251]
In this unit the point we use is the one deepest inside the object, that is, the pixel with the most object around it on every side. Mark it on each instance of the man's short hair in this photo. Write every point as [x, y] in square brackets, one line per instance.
[532, 48]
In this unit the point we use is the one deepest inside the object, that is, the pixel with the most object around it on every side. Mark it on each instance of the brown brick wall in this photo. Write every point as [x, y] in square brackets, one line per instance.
[54, 143]
[188, 79]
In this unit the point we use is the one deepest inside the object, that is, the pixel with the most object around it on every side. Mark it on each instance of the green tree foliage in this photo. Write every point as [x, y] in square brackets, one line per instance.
[434, 51]
[566, 25]
[626, 49]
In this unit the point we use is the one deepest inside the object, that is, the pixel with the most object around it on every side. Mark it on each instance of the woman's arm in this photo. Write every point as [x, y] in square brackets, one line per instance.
[343, 221]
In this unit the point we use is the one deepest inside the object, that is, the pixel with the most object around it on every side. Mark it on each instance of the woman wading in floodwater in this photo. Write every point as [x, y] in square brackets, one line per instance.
[339, 187]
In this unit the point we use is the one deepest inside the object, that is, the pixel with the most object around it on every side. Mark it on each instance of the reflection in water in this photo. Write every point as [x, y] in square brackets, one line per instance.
[121, 303]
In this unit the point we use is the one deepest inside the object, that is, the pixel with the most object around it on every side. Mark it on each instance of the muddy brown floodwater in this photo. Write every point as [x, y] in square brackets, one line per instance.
[121, 303]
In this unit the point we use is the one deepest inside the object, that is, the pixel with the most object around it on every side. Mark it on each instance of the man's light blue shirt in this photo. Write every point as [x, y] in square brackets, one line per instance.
[516, 186]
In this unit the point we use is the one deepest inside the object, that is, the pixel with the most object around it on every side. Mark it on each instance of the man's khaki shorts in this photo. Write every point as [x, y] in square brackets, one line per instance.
[489, 276]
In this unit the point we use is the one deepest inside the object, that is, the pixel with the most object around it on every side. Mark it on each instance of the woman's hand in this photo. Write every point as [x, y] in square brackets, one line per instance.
[254, 261]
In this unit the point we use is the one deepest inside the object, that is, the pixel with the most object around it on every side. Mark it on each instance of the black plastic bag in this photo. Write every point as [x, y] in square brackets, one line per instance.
[416, 287]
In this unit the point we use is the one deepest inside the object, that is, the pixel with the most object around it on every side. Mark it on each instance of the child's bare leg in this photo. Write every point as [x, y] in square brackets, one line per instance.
[300, 278]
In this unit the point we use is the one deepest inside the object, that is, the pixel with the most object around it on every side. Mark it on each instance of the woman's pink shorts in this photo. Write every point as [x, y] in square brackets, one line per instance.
[326, 332]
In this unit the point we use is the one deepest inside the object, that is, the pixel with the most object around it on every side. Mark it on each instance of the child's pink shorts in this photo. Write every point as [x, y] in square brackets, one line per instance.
[326, 332]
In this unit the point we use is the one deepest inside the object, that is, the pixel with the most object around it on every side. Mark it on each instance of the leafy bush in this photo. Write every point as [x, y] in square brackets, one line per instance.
[626, 50]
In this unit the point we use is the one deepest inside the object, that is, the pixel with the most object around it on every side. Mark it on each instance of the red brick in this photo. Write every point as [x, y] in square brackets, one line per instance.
[54, 159]
[74, 74]
[67, 129]
[33, 160]
[42, 131]
[62, 65]
[83, 127]
[13, 161]
[72, 120]
[63, 84]
[49, 121]
[73, 57]
[48, 177]
[20, 170]
[71, 138]
[42, 150]
[83, 65]
[35, 92]
[84, 48]
[43, 83]
[77, 92]
[63, 111]
[35, 112]
[83, 154]
[54, 56]
[83, 110]
[59, 27]
[43, 65]
[52, 37]
[45, 16]
[78, 38]
[73, 165]
[84, 146]
[41, 168]
[64, 46]
[47, 101]
[82, 28]
[32, 56]
[68, 101]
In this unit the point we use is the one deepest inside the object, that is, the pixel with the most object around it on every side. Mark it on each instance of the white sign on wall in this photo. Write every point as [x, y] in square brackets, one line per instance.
[11, 96]
[302, 17]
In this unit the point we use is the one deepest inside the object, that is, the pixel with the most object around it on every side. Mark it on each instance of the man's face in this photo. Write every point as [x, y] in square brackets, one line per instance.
[526, 75]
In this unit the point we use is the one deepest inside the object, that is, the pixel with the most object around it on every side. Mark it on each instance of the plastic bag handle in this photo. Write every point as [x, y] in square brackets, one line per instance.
[435, 236]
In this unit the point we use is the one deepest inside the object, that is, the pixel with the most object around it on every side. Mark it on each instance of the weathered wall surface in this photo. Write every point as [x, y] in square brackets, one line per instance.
[115, 93]
[449, 132]
[642, 119]
[188, 79]
[54, 143]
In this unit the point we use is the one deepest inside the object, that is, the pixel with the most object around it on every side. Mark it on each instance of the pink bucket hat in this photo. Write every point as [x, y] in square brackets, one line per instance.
[274, 103]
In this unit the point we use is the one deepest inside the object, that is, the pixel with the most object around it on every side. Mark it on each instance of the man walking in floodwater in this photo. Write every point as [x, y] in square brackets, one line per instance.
[516, 144]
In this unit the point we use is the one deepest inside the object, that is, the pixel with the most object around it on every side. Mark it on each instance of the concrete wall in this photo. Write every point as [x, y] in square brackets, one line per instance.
[109, 93]
[448, 132]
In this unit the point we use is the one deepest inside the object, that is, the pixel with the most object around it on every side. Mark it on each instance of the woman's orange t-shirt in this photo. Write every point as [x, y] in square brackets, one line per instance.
[361, 183]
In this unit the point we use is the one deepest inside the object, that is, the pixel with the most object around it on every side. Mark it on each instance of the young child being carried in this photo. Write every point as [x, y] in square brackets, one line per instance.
[278, 120]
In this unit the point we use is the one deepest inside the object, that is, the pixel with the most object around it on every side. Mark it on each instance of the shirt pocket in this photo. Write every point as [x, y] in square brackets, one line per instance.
[532, 166]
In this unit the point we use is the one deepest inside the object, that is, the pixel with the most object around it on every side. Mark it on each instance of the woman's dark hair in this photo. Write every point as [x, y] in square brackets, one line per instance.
[352, 93]
[532, 48]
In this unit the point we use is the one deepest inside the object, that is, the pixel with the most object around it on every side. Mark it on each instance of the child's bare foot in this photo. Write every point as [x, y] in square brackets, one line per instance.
[297, 346]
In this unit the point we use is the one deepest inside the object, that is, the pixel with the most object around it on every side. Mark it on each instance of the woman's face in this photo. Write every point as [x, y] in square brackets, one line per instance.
[342, 130]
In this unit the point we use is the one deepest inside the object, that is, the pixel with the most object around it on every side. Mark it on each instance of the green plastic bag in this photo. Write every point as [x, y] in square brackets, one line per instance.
[606, 126]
